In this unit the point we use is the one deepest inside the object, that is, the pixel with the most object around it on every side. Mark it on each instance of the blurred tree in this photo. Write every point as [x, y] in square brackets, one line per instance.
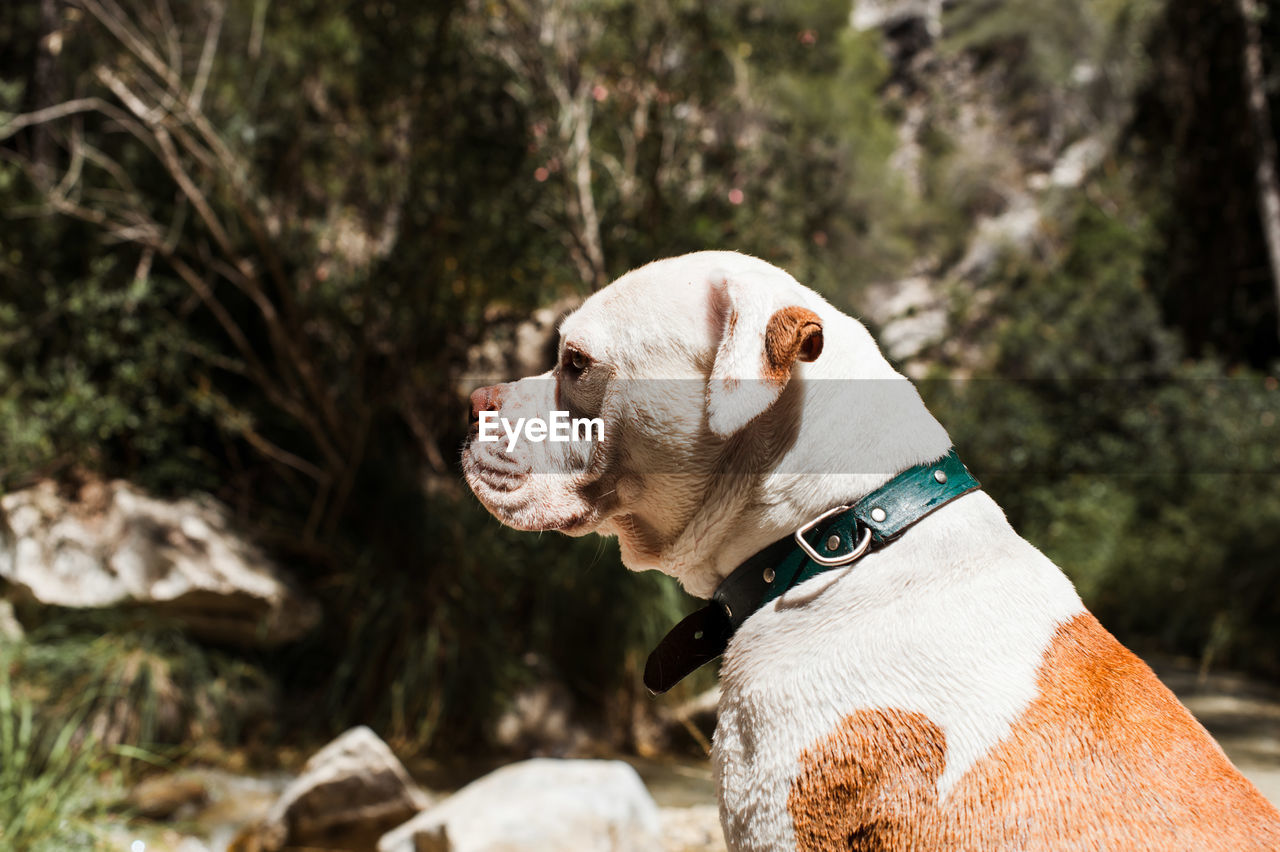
[280, 230]
[1263, 138]
[1210, 265]
[252, 247]
[673, 127]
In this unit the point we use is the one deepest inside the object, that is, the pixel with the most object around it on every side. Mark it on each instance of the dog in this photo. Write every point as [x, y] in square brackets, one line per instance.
[945, 688]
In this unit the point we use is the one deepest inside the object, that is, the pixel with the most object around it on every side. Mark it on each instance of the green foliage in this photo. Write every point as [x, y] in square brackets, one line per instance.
[94, 368]
[129, 679]
[1065, 68]
[1147, 478]
[1087, 313]
[1039, 43]
[50, 776]
[856, 225]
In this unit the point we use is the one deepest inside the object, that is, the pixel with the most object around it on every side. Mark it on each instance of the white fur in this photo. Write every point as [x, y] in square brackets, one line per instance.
[951, 621]
[738, 391]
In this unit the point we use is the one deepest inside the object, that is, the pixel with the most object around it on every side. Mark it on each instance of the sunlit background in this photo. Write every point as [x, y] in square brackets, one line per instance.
[254, 254]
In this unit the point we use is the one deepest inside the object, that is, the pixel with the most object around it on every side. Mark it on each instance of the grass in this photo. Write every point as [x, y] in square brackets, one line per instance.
[140, 682]
[50, 778]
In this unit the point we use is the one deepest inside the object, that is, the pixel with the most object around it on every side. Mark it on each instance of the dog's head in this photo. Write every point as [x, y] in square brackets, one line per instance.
[678, 383]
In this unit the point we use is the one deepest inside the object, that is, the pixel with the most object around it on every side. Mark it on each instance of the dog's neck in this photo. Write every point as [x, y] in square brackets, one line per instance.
[862, 424]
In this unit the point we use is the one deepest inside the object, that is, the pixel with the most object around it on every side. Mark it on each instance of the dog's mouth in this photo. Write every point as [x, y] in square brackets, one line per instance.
[505, 476]
[532, 515]
[493, 472]
[523, 500]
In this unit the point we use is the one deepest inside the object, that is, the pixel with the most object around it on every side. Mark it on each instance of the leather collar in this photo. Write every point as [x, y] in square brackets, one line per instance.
[835, 539]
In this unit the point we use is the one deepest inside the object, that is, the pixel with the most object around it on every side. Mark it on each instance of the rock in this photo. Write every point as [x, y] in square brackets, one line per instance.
[116, 545]
[885, 14]
[1014, 232]
[162, 797]
[349, 793]
[191, 844]
[911, 313]
[539, 806]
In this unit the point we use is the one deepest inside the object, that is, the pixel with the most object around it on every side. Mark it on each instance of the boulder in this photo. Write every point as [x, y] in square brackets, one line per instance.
[348, 795]
[541, 805]
[116, 545]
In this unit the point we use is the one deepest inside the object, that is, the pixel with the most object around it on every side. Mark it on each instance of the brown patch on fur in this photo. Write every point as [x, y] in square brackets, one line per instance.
[793, 333]
[1105, 758]
[866, 783]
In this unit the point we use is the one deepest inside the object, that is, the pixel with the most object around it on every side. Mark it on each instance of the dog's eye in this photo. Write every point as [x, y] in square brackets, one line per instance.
[575, 362]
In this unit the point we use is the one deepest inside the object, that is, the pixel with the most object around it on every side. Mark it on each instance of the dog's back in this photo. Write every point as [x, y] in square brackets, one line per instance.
[959, 696]
[1105, 758]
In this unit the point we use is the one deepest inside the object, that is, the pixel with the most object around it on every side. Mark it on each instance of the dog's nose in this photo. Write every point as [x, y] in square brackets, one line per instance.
[485, 399]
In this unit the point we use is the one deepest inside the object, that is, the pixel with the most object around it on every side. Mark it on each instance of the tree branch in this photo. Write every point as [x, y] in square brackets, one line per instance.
[52, 113]
[1264, 142]
[205, 68]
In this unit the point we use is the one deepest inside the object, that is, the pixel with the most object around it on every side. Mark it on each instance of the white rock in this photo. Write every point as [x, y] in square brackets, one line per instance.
[191, 844]
[912, 314]
[539, 806]
[1015, 232]
[121, 546]
[877, 14]
[354, 787]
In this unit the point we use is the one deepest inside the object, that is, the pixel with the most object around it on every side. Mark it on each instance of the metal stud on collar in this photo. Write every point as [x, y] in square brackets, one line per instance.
[829, 561]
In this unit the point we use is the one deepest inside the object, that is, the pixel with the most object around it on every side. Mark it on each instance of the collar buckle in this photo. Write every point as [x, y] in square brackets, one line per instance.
[833, 561]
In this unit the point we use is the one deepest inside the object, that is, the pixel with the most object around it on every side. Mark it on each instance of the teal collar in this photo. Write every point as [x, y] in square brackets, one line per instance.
[834, 539]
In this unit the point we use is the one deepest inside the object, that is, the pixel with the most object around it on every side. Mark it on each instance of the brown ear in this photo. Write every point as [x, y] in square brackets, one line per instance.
[793, 334]
[758, 348]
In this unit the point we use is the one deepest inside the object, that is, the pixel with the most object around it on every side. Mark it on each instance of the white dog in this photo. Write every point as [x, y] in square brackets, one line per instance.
[939, 685]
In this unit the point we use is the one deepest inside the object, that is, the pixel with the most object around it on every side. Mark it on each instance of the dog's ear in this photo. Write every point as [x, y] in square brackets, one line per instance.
[760, 342]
